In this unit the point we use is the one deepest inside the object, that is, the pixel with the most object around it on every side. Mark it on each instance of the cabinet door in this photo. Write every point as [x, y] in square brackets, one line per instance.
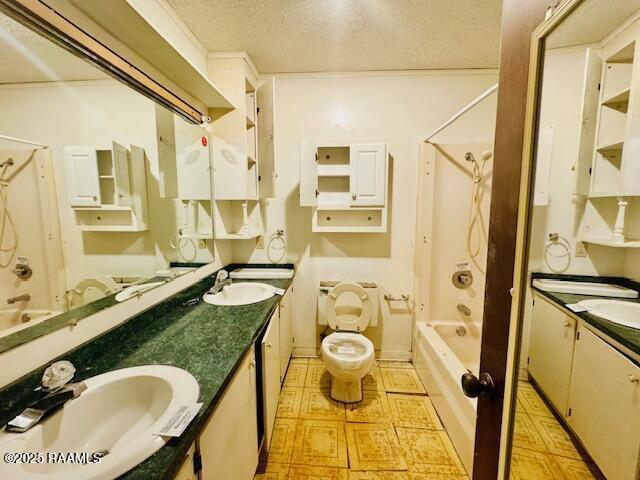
[186, 471]
[605, 406]
[193, 161]
[229, 441]
[266, 152]
[271, 375]
[286, 331]
[368, 176]
[121, 173]
[83, 185]
[308, 173]
[551, 351]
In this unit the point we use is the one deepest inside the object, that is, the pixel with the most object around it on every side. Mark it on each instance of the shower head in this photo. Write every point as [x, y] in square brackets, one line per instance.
[487, 154]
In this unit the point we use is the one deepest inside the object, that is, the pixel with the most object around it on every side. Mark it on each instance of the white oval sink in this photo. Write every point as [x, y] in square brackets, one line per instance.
[240, 294]
[117, 413]
[616, 311]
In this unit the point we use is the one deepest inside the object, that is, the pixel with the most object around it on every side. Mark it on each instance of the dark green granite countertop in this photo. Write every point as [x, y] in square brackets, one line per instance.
[206, 340]
[626, 336]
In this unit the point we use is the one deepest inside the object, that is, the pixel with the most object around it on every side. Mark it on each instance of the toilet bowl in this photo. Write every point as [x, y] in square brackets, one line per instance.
[347, 354]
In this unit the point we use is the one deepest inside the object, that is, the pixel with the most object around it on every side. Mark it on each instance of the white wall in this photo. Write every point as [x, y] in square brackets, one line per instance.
[97, 113]
[397, 108]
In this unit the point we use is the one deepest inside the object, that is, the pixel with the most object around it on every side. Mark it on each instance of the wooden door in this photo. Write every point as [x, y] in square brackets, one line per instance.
[83, 184]
[368, 174]
[270, 375]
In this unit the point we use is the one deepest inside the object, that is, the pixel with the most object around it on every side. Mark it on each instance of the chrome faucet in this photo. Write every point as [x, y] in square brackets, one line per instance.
[25, 297]
[222, 280]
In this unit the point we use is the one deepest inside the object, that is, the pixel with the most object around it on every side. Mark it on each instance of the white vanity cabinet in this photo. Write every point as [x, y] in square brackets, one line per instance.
[229, 441]
[270, 375]
[604, 404]
[347, 185]
[551, 346]
[187, 470]
[286, 331]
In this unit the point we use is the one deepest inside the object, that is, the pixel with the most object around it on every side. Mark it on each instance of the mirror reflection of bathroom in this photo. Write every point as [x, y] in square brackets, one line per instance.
[84, 183]
[577, 405]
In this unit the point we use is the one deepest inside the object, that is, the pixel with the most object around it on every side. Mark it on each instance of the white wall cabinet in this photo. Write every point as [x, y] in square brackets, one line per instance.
[605, 406]
[229, 441]
[270, 375]
[347, 185]
[551, 351]
[107, 188]
[266, 138]
[286, 331]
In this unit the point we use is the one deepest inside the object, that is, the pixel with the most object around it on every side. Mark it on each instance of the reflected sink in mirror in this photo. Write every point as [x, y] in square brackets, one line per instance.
[135, 290]
[116, 414]
[240, 294]
[623, 313]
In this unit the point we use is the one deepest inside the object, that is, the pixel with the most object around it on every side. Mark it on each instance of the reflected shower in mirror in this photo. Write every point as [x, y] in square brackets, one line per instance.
[104, 194]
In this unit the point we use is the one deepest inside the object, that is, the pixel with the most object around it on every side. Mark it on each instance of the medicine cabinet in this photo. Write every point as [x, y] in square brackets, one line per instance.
[346, 184]
[107, 188]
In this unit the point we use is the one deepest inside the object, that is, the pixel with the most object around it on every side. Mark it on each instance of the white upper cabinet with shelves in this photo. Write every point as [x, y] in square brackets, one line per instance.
[347, 185]
[107, 188]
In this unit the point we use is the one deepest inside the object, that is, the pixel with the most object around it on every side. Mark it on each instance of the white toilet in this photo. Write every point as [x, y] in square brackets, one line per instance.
[348, 308]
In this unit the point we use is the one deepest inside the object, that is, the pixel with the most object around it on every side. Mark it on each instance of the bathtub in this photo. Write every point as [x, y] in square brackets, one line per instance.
[442, 357]
[13, 319]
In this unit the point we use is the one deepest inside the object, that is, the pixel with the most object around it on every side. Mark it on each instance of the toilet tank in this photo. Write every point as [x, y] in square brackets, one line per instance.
[369, 287]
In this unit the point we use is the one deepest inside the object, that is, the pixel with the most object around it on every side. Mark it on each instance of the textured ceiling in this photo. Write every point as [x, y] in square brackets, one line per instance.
[26, 57]
[591, 22]
[349, 35]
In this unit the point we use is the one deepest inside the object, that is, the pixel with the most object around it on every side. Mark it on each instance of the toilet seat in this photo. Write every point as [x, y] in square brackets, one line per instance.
[348, 351]
[347, 323]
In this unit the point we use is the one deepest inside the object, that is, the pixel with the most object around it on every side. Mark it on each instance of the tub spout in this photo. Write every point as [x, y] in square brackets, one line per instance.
[463, 309]
[20, 298]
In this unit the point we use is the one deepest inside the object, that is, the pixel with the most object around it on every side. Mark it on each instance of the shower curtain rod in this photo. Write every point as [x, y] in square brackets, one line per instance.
[20, 140]
[462, 112]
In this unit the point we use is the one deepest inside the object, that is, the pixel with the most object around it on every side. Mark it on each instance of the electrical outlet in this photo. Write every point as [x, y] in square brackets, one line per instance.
[581, 249]
[260, 242]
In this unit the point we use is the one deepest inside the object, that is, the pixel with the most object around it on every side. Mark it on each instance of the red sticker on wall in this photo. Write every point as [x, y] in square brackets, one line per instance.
[204, 141]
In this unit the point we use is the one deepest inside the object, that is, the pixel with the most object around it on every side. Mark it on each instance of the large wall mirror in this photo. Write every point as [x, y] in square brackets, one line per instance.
[577, 408]
[104, 193]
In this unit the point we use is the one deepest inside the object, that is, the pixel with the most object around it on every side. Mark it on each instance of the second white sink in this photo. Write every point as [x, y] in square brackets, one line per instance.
[616, 311]
[243, 293]
[117, 415]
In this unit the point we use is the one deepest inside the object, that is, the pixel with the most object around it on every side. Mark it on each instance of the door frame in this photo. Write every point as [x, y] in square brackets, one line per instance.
[524, 28]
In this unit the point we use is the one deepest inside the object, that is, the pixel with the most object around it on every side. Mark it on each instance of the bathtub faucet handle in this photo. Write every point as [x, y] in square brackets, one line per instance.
[473, 386]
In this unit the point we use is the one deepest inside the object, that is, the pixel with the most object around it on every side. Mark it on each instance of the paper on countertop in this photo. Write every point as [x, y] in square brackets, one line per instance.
[278, 291]
[576, 307]
[179, 421]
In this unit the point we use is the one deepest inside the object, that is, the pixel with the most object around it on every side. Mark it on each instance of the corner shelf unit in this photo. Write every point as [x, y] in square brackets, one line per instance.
[614, 171]
[347, 185]
[228, 220]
